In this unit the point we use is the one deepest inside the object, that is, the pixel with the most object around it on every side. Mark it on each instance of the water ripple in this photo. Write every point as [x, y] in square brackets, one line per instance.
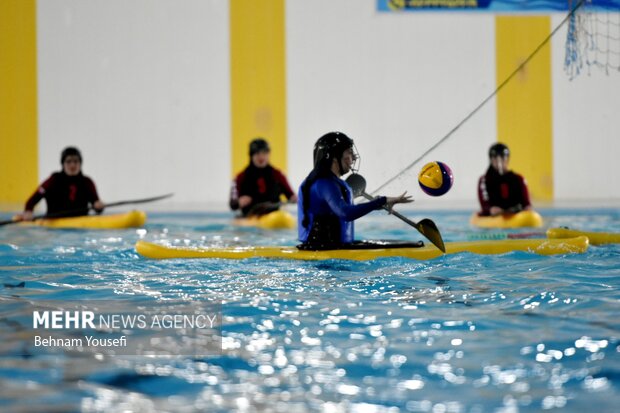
[460, 333]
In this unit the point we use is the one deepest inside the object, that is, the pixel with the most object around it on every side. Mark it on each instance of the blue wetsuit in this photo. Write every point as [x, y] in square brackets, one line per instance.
[331, 213]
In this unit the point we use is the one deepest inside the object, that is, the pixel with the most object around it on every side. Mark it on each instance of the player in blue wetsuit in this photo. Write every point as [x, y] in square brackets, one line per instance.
[325, 203]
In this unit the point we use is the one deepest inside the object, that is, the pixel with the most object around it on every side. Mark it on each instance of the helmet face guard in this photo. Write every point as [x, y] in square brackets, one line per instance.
[357, 160]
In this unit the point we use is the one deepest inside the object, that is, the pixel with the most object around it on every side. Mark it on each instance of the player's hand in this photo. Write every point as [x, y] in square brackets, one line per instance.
[393, 200]
[244, 201]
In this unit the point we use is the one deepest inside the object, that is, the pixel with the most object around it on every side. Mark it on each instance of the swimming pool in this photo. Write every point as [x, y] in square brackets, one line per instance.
[461, 333]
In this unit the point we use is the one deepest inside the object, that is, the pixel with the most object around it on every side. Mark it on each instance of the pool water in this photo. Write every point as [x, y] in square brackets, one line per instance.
[461, 333]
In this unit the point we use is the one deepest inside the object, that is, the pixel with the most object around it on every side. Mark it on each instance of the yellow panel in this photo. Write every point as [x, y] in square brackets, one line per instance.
[258, 78]
[524, 112]
[18, 102]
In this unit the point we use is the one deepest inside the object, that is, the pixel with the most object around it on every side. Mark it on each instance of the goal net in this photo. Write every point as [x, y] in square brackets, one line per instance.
[593, 37]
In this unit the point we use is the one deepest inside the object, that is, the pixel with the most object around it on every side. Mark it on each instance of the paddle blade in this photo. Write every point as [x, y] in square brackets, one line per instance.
[431, 232]
[357, 184]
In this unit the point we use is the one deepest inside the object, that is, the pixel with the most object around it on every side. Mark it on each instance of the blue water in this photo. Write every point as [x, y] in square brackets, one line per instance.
[462, 333]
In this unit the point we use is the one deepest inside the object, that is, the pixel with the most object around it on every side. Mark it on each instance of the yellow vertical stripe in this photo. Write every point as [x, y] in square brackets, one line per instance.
[18, 102]
[524, 112]
[258, 78]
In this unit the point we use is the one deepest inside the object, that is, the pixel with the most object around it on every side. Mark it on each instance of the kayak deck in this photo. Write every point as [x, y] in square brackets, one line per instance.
[129, 219]
[279, 219]
[523, 219]
[596, 238]
[538, 246]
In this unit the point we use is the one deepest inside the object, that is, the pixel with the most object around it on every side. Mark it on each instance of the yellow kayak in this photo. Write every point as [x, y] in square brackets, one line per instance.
[519, 220]
[538, 246]
[596, 238]
[279, 219]
[115, 221]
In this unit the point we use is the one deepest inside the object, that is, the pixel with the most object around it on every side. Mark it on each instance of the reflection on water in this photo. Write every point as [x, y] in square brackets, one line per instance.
[462, 333]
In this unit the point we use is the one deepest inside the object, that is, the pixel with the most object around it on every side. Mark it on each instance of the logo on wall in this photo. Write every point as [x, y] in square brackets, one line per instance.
[491, 5]
[413, 5]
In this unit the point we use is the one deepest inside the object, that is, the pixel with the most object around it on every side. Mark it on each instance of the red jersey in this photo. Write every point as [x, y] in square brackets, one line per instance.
[508, 191]
[65, 195]
[263, 185]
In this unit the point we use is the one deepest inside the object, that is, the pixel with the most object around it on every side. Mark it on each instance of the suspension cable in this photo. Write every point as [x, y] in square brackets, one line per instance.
[484, 102]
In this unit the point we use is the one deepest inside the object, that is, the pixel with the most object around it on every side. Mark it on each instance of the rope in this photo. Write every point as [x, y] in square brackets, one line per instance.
[485, 101]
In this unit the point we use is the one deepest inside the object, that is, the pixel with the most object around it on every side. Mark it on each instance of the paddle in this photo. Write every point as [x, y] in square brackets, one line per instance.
[112, 204]
[426, 227]
[139, 201]
[266, 207]
[263, 208]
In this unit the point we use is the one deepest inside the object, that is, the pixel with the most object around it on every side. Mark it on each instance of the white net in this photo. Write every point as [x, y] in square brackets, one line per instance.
[592, 40]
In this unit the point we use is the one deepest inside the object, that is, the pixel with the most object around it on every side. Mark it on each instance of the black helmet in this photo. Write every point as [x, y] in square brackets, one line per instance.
[70, 151]
[498, 149]
[259, 145]
[331, 146]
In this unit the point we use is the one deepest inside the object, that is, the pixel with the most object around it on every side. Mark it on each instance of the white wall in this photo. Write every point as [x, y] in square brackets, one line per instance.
[586, 129]
[396, 84]
[142, 87]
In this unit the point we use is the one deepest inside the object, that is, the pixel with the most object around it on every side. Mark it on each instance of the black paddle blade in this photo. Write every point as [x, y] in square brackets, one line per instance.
[426, 227]
[357, 184]
[430, 231]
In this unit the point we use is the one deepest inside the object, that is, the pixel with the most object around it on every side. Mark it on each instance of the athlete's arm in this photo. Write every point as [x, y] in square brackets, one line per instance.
[39, 194]
[332, 194]
[93, 196]
[483, 196]
[280, 178]
[525, 194]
